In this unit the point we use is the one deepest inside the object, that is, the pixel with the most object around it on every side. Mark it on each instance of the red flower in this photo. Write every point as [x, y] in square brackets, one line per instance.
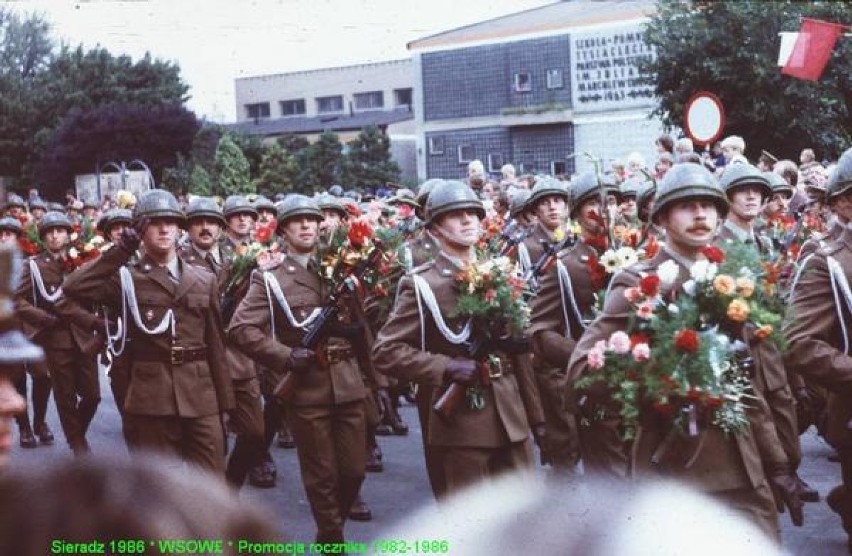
[263, 233]
[599, 242]
[28, 247]
[652, 247]
[664, 409]
[360, 231]
[687, 340]
[693, 395]
[639, 338]
[23, 219]
[713, 254]
[650, 285]
[712, 402]
[597, 273]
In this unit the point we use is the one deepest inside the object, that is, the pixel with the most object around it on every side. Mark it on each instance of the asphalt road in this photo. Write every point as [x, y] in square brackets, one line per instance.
[402, 486]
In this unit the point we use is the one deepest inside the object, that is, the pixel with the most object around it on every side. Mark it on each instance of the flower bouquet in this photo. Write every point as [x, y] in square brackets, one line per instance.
[263, 253]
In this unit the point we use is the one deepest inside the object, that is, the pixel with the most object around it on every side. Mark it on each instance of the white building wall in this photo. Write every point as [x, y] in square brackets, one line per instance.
[613, 137]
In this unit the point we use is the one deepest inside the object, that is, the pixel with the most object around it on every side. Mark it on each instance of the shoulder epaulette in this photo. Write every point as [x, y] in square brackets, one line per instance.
[422, 268]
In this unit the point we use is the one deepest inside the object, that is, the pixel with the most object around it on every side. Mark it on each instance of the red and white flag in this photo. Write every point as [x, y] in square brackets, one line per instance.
[813, 48]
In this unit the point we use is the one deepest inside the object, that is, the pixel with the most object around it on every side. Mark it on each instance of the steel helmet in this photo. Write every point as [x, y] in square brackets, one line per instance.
[737, 175]
[158, 203]
[449, 196]
[238, 204]
[687, 181]
[112, 217]
[54, 219]
[205, 207]
[841, 178]
[586, 186]
[298, 205]
[546, 186]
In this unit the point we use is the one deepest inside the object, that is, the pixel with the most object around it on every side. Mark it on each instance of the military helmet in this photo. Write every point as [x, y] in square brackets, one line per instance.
[330, 202]
[238, 204]
[645, 194]
[158, 203]
[519, 202]
[404, 197]
[298, 205]
[112, 217]
[90, 203]
[779, 184]
[15, 200]
[687, 181]
[58, 207]
[425, 189]
[736, 175]
[262, 203]
[54, 219]
[449, 196]
[38, 203]
[205, 207]
[546, 186]
[585, 187]
[633, 185]
[11, 224]
[841, 178]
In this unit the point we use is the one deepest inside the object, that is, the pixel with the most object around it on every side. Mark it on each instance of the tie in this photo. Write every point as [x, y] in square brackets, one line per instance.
[212, 262]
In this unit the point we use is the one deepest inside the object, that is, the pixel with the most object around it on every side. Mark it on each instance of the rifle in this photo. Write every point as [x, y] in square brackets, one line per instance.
[537, 269]
[327, 317]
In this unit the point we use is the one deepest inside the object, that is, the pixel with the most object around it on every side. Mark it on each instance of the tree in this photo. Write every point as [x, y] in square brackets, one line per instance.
[322, 162]
[367, 162]
[232, 169]
[278, 171]
[253, 149]
[200, 182]
[177, 178]
[730, 49]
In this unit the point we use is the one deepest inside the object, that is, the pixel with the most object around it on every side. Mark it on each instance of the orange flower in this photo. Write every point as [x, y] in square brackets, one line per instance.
[724, 284]
[738, 310]
[360, 231]
[745, 286]
[763, 332]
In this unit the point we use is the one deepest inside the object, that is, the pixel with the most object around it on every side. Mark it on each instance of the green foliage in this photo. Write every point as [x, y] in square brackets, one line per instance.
[177, 178]
[232, 169]
[368, 161]
[731, 49]
[200, 182]
[322, 161]
[278, 171]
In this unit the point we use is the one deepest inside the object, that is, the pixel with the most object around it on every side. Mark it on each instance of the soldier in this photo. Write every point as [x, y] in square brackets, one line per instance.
[731, 467]
[38, 208]
[15, 206]
[326, 410]
[90, 210]
[266, 211]
[520, 212]
[747, 190]
[65, 331]
[410, 346]
[549, 202]
[240, 216]
[818, 334]
[179, 386]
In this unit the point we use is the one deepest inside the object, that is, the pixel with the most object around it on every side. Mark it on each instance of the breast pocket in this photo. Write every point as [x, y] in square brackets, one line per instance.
[152, 308]
[198, 302]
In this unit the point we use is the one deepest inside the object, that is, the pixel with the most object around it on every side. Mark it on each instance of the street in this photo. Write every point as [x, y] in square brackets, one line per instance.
[402, 486]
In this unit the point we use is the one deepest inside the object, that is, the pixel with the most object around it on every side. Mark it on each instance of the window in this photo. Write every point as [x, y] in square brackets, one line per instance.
[466, 154]
[369, 101]
[292, 107]
[495, 162]
[330, 104]
[523, 82]
[258, 110]
[402, 97]
[436, 145]
[554, 79]
[557, 168]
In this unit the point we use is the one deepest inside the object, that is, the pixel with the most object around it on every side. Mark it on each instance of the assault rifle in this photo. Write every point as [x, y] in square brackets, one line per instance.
[327, 318]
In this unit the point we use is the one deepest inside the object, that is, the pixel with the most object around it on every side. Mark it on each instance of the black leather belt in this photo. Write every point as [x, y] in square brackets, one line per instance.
[176, 355]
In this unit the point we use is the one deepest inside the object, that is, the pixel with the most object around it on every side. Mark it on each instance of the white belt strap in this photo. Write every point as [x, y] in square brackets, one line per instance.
[425, 295]
[566, 288]
[273, 287]
[798, 275]
[38, 285]
[524, 258]
[839, 281]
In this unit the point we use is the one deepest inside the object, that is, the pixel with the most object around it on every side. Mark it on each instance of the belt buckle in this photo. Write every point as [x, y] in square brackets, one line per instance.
[495, 367]
[177, 355]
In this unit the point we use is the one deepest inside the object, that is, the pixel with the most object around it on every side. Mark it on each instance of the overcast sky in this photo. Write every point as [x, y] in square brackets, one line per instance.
[216, 41]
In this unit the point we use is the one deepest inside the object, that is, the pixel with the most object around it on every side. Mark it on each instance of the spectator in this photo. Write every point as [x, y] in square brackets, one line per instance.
[766, 161]
[683, 146]
[635, 163]
[475, 174]
[509, 176]
[733, 149]
[665, 144]
[664, 164]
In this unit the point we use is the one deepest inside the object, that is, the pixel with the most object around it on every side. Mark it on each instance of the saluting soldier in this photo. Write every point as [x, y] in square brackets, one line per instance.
[65, 332]
[818, 332]
[733, 468]
[326, 411]
[416, 344]
[179, 385]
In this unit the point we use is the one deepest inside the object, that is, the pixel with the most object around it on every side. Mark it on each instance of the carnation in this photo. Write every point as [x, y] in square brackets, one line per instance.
[633, 295]
[619, 342]
[641, 352]
[645, 310]
[687, 340]
[650, 285]
[596, 359]
[713, 254]
[668, 272]
[724, 284]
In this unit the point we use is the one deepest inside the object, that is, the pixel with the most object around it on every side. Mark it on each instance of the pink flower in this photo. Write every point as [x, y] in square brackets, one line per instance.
[645, 310]
[641, 352]
[619, 342]
[596, 359]
[600, 345]
[633, 295]
[490, 295]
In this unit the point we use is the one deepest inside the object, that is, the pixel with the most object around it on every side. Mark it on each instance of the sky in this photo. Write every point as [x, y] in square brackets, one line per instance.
[216, 41]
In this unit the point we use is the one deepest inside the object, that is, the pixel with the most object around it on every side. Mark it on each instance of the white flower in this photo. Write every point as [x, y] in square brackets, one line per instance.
[668, 272]
[73, 253]
[97, 240]
[611, 261]
[703, 271]
[689, 288]
[673, 309]
[628, 256]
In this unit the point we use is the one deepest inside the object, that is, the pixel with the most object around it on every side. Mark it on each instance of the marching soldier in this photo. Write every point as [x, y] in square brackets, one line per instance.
[240, 217]
[326, 411]
[65, 331]
[179, 386]
[15, 206]
[266, 211]
[38, 209]
[817, 331]
[732, 467]
[411, 346]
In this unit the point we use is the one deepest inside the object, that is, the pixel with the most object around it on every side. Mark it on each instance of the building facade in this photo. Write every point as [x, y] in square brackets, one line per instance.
[537, 89]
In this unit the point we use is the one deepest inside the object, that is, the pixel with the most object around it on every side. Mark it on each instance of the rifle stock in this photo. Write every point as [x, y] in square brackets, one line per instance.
[455, 394]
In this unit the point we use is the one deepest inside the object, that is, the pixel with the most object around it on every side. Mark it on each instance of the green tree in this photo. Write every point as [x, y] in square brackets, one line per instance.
[232, 169]
[278, 171]
[368, 162]
[200, 182]
[322, 161]
[177, 178]
[253, 149]
[204, 145]
[731, 49]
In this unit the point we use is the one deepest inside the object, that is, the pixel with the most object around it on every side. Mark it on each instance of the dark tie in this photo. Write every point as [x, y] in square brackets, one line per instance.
[212, 262]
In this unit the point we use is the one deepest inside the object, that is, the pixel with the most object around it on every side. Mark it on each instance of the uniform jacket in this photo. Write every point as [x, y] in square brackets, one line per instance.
[76, 331]
[158, 387]
[537, 242]
[722, 463]
[814, 332]
[512, 403]
[304, 290]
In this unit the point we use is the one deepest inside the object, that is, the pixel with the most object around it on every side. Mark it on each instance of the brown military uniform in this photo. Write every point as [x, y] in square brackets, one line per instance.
[728, 467]
[326, 412]
[70, 347]
[477, 443]
[179, 385]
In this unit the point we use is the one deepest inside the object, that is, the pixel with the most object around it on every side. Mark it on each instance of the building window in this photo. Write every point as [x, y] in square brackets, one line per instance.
[293, 107]
[330, 104]
[523, 82]
[436, 145]
[495, 162]
[554, 79]
[369, 101]
[557, 168]
[402, 97]
[257, 110]
[466, 154]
